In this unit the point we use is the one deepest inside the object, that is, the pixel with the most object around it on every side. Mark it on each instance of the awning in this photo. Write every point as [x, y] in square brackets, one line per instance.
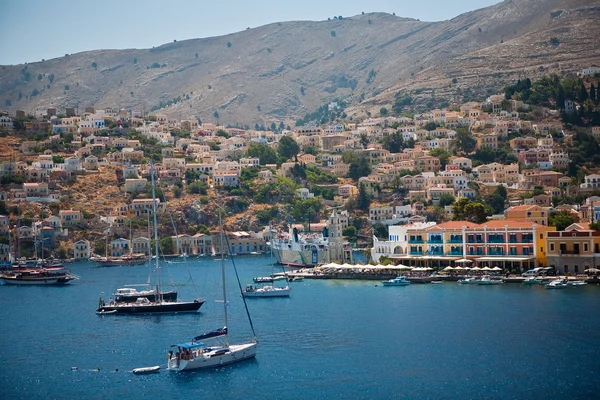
[500, 259]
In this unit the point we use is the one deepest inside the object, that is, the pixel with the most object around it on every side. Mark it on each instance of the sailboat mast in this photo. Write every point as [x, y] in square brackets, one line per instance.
[19, 233]
[223, 276]
[155, 231]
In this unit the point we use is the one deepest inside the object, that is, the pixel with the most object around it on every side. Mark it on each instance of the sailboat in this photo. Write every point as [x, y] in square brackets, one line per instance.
[143, 305]
[129, 293]
[198, 354]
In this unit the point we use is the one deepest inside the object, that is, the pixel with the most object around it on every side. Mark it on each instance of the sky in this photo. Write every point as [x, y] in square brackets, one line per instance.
[32, 30]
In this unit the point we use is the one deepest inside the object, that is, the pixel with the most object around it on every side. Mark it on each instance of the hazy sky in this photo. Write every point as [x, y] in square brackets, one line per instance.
[32, 30]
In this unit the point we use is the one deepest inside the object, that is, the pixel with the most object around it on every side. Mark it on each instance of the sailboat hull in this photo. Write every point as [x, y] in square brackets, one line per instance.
[215, 357]
[151, 308]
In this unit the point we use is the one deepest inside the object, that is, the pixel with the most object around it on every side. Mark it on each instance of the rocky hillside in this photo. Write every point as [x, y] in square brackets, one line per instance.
[280, 71]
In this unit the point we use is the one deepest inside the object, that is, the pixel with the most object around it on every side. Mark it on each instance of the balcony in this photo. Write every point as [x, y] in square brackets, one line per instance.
[455, 240]
[496, 240]
[495, 253]
[436, 240]
[568, 252]
[415, 241]
[455, 253]
[415, 253]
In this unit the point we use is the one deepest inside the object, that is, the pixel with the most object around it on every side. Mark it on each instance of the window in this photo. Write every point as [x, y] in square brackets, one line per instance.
[585, 247]
[541, 235]
[551, 246]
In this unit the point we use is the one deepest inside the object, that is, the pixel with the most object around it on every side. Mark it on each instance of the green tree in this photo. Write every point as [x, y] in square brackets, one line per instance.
[383, 112]
[305, 210]
[364, 201]
[537, 190]
[562, 219]
[94, 65]
[359, 169]
[288, 147]
[430, 126]
[166, 245]
[364, 140]
[265, 153]
[465, 142]
[380, 230]
[216, 115]
[349, 232]
[197, 188]
[446, 199]
[394, 143]
[349, 157]
[466, 210]
[496, 203]
[501, 191]
[442, 154]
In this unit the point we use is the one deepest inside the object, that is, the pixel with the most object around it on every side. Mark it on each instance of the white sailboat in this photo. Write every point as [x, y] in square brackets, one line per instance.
[198, 354]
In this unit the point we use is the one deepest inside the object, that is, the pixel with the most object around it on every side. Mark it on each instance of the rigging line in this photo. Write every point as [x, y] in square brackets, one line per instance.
[178, 244]
[240, 286]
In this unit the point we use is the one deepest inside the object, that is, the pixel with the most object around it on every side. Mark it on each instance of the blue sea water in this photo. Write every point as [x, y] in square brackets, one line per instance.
[330, 340]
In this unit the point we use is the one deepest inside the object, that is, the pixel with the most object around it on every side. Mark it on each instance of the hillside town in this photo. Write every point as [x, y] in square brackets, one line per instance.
[491, 183]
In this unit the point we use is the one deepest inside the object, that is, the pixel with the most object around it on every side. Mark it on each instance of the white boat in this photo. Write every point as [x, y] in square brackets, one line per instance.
[532, 280]
[557, 284]
[487, 280]
[578, 283]
[468, 281]
[266, 291]
[146, 370]
[197, 354]
[397, 281]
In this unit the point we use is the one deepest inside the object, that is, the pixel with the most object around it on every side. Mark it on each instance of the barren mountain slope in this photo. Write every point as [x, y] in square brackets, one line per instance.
[280, 71]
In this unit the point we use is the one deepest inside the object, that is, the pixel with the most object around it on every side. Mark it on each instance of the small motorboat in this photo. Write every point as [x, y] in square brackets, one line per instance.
[468, 281]
[397, 281]
[532, 280]
[487, 280]
[577, 283]
[557, 284]
[437, 282]
[146, 370]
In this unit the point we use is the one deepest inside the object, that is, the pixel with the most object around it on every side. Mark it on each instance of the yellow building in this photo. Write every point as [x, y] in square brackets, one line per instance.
[574, 250]
[529, 213]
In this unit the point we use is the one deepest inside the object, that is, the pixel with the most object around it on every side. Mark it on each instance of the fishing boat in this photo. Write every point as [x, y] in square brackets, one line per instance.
[397, 281]
[199, 353]
[143, 305]
[38, 276]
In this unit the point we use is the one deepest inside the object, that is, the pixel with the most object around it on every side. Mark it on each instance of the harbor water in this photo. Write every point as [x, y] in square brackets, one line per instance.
[331, 339]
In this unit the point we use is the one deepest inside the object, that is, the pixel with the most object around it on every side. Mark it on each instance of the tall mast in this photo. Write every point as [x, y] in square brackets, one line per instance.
[19, 232]
[158, 295]
[223, 276]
